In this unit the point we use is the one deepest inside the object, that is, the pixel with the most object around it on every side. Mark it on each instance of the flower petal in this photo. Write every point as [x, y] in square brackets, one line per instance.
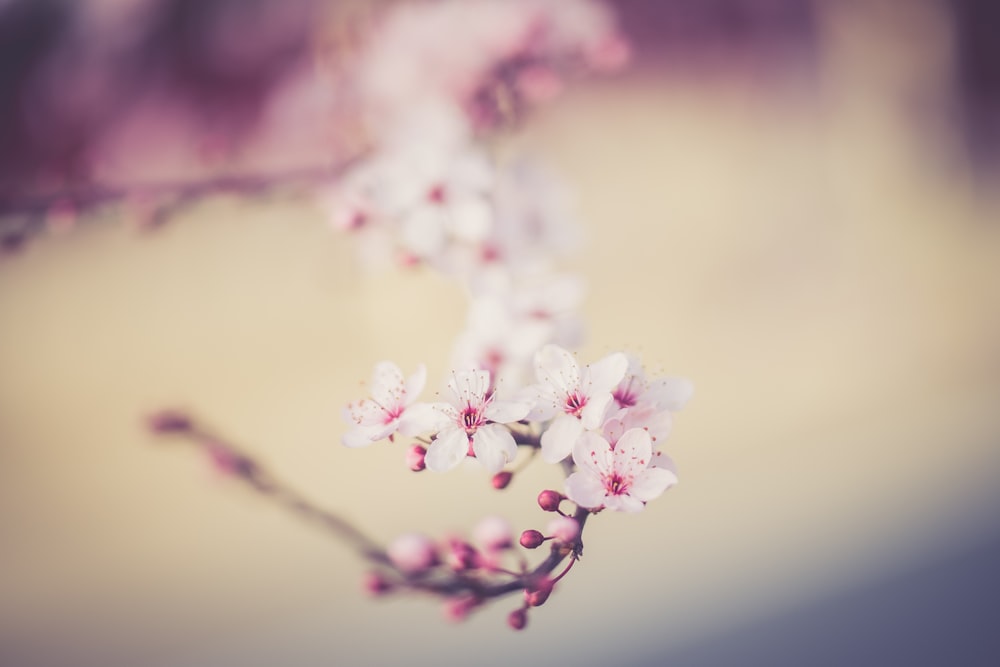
[505, 412]
[623, 503]
[593, 453]
[651, 483]
[596, 410]
[661, 460]
[670, 393]
[557, 368]
[423, 418]
[387, 384]
[494, 446]
[605, 374]
[415, 383]
[469, 387]
[360, 436]
[585, 489]
[447, 450]
[558, 440]
[632, 452]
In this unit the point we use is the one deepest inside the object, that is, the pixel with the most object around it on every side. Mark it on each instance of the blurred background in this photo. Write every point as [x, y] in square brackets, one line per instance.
[794, 204]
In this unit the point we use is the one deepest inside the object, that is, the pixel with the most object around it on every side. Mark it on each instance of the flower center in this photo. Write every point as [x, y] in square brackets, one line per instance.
[575, 403]
[471, 419]
[616, 484]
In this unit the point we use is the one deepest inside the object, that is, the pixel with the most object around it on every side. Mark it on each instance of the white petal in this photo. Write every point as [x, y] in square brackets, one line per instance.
[505, 412]
[633, 452]
[447, 450]
[494, 446]
[585, 489]
[651, 483]
[357, 437]
[558, 440]
[387, 384]
[415, 383]
[423, 418]
[592, 452]
[623, 503]
[544, 404]
[670, 393]
[423, 231]
[469, 386]
[557, 368]
[596, 410]
[604, 375]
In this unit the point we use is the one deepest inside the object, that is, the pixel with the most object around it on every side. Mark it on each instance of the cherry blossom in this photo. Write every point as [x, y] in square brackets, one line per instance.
[619, 478]
[473, 422]
[576, 400]
[390, 408]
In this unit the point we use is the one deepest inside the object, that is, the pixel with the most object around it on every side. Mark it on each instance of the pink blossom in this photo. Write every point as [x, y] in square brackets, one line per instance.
[494, 533]
[647, 404]
[473, 421]
[564, 528]
[620, 478]
[412, 553]
[390, 408]
[576, 400]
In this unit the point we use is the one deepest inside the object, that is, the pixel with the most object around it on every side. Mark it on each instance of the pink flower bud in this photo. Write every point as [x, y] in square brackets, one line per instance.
[462, 556]
[494, 533]
[538, 592]
[415, 456]
[517, 619]
[531, 539]
[375, 584]
[549, 500]
[564, 528]
[501, 479]
[412, 553]
[458, 609]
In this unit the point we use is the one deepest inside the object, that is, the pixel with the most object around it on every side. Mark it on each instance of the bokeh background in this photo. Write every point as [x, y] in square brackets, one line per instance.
[793, 204]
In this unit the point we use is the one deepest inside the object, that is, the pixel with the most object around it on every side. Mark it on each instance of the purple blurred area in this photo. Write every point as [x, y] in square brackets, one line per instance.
[87, 83]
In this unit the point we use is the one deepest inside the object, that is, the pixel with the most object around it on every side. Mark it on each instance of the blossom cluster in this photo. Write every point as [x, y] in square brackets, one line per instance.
[439, 80]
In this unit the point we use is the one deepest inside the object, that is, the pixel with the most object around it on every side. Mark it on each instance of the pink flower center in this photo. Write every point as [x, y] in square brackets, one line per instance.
[471, 419]
[575, 403]
[626, 396]
[616, 484]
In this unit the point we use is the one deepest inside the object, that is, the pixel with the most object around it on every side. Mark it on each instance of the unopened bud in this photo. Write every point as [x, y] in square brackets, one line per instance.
[501, 479]
[412, 553]
[494, 533]
[517, 619]
[375, 584]
[462, 556]
[458, 609]
[536, 594]
[549, 500]
[415, 456]
[564, 528]
[531, 539]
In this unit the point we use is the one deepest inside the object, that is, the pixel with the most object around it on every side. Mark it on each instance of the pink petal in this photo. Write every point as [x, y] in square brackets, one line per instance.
[557, 368]
[494, 446]
[447, 450]
[359, 436]
[633, 452]
[651, 483]
[558, 440]
[661, 460]
[592, 453]
[604, 375]
[585, 489]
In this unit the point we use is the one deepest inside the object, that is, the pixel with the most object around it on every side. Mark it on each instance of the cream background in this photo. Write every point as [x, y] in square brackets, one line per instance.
[817, 260]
